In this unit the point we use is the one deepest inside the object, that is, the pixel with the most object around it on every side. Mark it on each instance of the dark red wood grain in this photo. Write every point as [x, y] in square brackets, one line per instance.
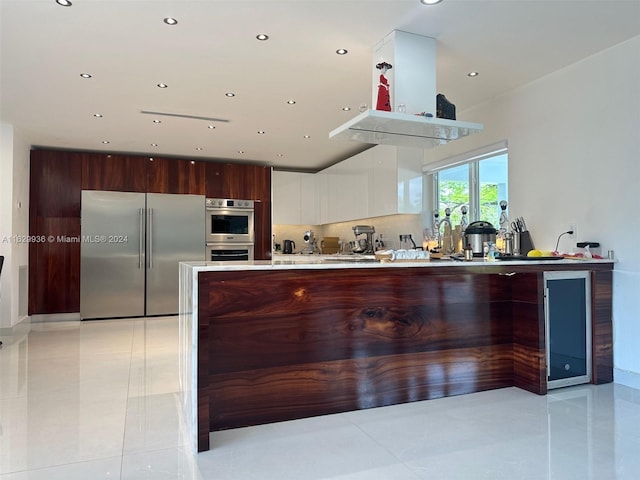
[285, 344]
[57, 178]
[54, 215]
[114, 172]
[172, 175]
[602, 332]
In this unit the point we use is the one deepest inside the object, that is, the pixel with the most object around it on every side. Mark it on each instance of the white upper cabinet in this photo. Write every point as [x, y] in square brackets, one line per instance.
[383, 180]
[344, 189]
[295, 198]
[396, 180]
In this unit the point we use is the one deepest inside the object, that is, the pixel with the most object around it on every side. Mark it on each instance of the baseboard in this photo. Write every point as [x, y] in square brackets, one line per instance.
[624, 377]
[56, 317]
[9, 335]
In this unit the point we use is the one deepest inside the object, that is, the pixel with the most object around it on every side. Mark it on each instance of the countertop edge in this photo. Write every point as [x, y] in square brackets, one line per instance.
[328, 265]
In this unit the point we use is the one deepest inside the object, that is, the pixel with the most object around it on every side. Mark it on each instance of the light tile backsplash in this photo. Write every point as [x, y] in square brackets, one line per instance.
[390, 227]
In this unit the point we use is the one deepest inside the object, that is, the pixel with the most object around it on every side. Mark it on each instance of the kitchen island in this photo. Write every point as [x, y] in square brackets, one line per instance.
[269, 341]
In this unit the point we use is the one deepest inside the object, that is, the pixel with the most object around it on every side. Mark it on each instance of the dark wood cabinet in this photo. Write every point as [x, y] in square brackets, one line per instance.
[120, 173]
[229, 180]
[56, 183]
[169, 175]
[54, 219]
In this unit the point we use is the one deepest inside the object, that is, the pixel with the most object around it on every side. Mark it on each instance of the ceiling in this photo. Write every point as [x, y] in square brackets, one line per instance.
[213, 50]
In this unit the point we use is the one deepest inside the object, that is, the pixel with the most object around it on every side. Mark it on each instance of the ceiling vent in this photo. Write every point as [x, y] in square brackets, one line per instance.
[181, 115]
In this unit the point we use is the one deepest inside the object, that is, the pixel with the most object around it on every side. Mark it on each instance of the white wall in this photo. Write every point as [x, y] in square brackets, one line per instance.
[574, 156]
[14, 222]
[389, 226]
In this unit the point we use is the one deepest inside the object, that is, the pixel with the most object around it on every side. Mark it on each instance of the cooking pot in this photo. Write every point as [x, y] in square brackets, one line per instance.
[288, 246]
[476, 234]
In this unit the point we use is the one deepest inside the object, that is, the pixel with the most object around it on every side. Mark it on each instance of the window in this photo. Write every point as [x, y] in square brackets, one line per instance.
[478, 180]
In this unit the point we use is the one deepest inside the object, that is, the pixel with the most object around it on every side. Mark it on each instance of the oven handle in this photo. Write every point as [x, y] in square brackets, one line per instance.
[231, 255]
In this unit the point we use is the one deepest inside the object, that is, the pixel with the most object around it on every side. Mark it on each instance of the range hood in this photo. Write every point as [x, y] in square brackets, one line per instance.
[412, 91]
[402, 129]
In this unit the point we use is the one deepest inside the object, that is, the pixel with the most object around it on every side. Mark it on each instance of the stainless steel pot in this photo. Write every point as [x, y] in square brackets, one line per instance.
[476, 234]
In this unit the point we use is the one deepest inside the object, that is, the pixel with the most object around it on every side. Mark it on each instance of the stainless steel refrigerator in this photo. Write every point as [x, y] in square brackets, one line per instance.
[131, 245]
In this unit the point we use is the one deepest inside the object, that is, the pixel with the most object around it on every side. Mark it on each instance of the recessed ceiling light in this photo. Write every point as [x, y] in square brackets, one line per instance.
[281, 154]
[85, 75]
[162, 85]
[230, 94]
[154, 144]
[199, 149]
[261, 132]
[473, 74]
[64, 3]
[157, 121]
[211, 127]
[291, 102]
[105, 141]
[429, 2]
[307, 136]
[241, 151]
[342, 51]
[262, 37]
[346, 109]
[97, 115]
[170, 21]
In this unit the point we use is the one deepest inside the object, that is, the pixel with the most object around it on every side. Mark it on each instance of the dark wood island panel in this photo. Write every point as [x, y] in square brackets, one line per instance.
[284, 344]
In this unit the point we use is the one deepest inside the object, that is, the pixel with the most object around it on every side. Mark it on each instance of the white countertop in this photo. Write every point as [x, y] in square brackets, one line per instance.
[324, 262]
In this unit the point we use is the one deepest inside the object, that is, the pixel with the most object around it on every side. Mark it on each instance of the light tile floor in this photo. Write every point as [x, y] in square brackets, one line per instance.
[98, 400]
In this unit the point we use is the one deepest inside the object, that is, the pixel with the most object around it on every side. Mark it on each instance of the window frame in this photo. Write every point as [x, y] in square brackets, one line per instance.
[471, 158]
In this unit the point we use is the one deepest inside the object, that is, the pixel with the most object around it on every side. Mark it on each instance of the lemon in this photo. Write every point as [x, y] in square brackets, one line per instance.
[534, 253]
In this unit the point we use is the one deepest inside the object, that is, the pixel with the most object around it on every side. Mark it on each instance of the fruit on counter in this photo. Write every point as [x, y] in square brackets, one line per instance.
[542, 253]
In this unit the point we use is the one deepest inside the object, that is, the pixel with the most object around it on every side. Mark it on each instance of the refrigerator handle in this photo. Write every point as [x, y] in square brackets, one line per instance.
[141, 237]
[150, 233]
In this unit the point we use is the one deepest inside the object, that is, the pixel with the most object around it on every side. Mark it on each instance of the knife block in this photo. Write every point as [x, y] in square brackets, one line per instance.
[526, 243]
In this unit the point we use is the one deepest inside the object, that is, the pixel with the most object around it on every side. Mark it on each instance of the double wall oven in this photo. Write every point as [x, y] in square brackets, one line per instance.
[229, 230]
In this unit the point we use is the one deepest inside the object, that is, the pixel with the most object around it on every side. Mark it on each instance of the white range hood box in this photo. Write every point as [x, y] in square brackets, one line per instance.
[412, 89]
[403, 129]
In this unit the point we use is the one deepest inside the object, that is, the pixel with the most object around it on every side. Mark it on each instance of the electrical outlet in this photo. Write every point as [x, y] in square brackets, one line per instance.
[573, 226]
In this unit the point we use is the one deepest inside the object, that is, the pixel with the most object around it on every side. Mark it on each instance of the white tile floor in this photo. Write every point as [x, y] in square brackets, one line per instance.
[98, 400]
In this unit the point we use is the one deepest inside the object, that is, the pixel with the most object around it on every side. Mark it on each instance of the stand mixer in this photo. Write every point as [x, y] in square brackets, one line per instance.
[364, 245]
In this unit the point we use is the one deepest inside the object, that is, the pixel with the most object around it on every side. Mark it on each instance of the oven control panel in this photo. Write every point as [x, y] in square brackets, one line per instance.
[229, 203]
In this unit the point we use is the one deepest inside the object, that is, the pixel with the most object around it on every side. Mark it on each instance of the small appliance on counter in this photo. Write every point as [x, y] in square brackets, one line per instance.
[590, 249]
[364, 245]
[288, 246]
[310, 242]
[476, 234]
[406, 242]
